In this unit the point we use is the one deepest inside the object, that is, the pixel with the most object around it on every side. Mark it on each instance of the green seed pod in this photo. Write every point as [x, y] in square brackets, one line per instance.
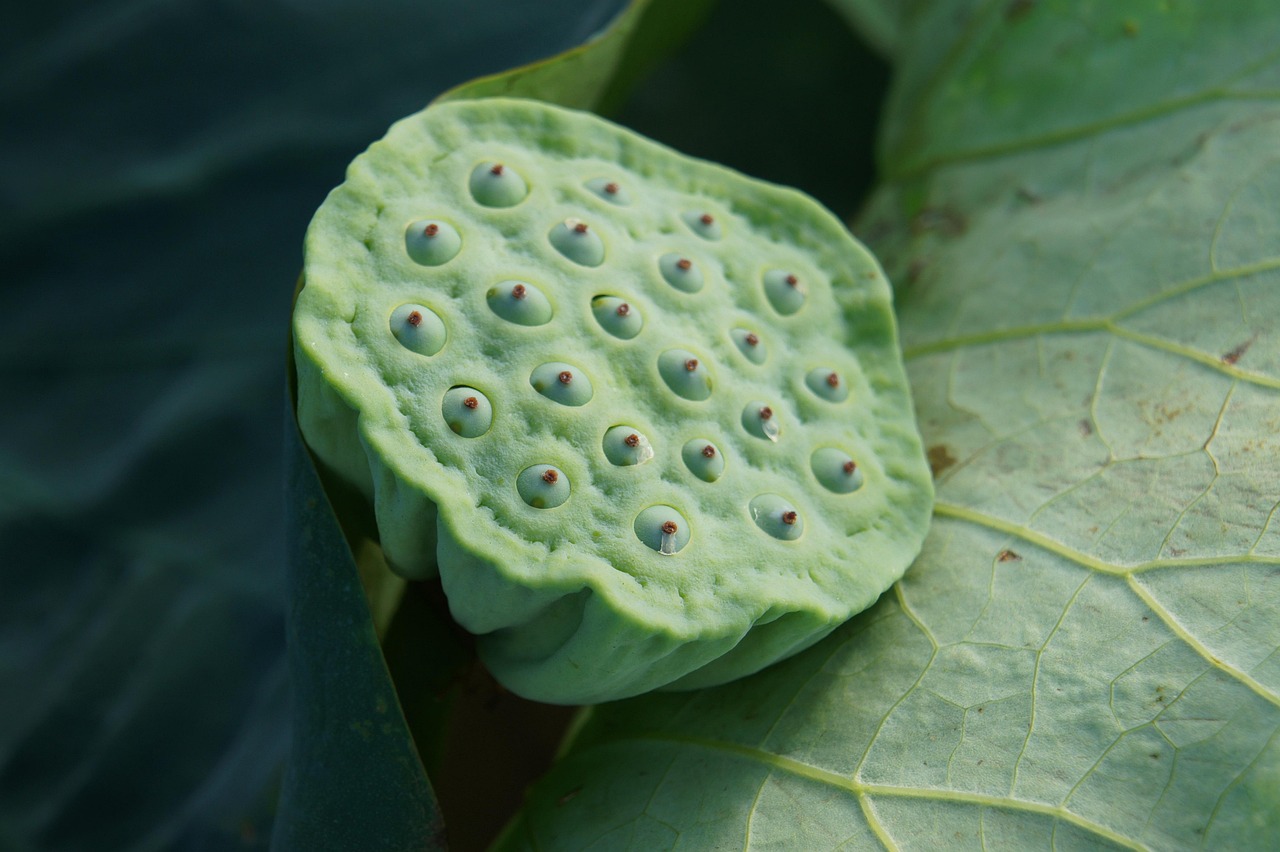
[519, 302]
[574, 239]
[573, 588]
[418, 328]
[616, 316]
[467, 411]
[827, 384]
[562, 383]
[703, 459]
[610, 190]
[626, 446]
[784, 290]
[680, 272]
[497, 185]
[432, 242]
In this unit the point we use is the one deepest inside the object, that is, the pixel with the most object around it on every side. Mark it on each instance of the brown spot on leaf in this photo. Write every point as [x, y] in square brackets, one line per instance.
[944, 220]
[940, 459]
[1086, 428]
[1018, 9]
[568, 797]
[1234, 356]
[1007, 555]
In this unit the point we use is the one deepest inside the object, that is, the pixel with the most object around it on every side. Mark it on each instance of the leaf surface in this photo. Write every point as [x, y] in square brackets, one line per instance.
[1079, 214]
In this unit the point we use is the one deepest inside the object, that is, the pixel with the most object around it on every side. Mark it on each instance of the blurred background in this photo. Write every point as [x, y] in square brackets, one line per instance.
[159, 162]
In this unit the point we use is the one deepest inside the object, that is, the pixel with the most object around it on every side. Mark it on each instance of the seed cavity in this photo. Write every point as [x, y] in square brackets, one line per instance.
[610, 190]
[520, 303]
[776, 516]
[836, 470]
[418, 329]
[685, 374]
[662, 528]
[577, 242]
[431, 242]
[562, 383]
[703, 459]
[826, 383]
[625, 446]
[466, 411]
[680, 272]
[497, 185]
[543, 486]
[784, 290]
[760, 420]
[703, 224]
[750, 345]
[619, 318]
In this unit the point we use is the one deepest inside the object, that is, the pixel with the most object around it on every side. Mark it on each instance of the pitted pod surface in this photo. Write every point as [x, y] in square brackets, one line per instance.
[537, 343]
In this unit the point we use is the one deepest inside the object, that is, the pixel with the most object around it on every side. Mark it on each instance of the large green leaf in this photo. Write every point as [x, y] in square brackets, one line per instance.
[1080, 213]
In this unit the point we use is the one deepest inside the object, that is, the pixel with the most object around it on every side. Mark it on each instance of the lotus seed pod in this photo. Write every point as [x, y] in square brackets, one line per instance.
[497, 185]
[827, 383]
[785, 290]
[703, 224]
[624, 446]
[543, 486]
[574, 239]
[432, 242]
[617, 316]
[610, 190]
[681, 272]
[418, 328]
[614, 579]
[467, 411]
[750, 345]
[836, 470]
[519, 302]
[685, 373]
[703, 459]
[562, 383]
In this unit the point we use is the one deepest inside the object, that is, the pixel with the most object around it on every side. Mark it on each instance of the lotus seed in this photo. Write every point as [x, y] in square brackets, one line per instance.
[418, 328]
[625, 446]
[776, 516]
[759, 419]
[750, 345]
[610, 191]
[836, 470]
[685, 374]
[680, 272]
[703, 224]
[577, 241]
[784, 290]
[431, 242]
[561, 383]
[520, 303]
[663, 529]
[826, 383]
[542, 486]
[703, 459]
[618, 317]
[497, 185]
[467, 411]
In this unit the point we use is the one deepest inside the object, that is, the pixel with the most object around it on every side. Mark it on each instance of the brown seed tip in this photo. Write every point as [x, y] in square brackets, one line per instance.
[551, 476]
[766, 413]
[632, 440]
[669, 527]
[565, 377]
[415, 319]
[431, 230]
[709, 451]
[496, 169]
[684, 263]
[580, 228]
[471, 402]
[792, 281]
[706, 219]
[833, 380]
[691, 364]
[518, 291]
[790, 517]
[849, 467]
[623, 309]
[751, 339]
[611, 188]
